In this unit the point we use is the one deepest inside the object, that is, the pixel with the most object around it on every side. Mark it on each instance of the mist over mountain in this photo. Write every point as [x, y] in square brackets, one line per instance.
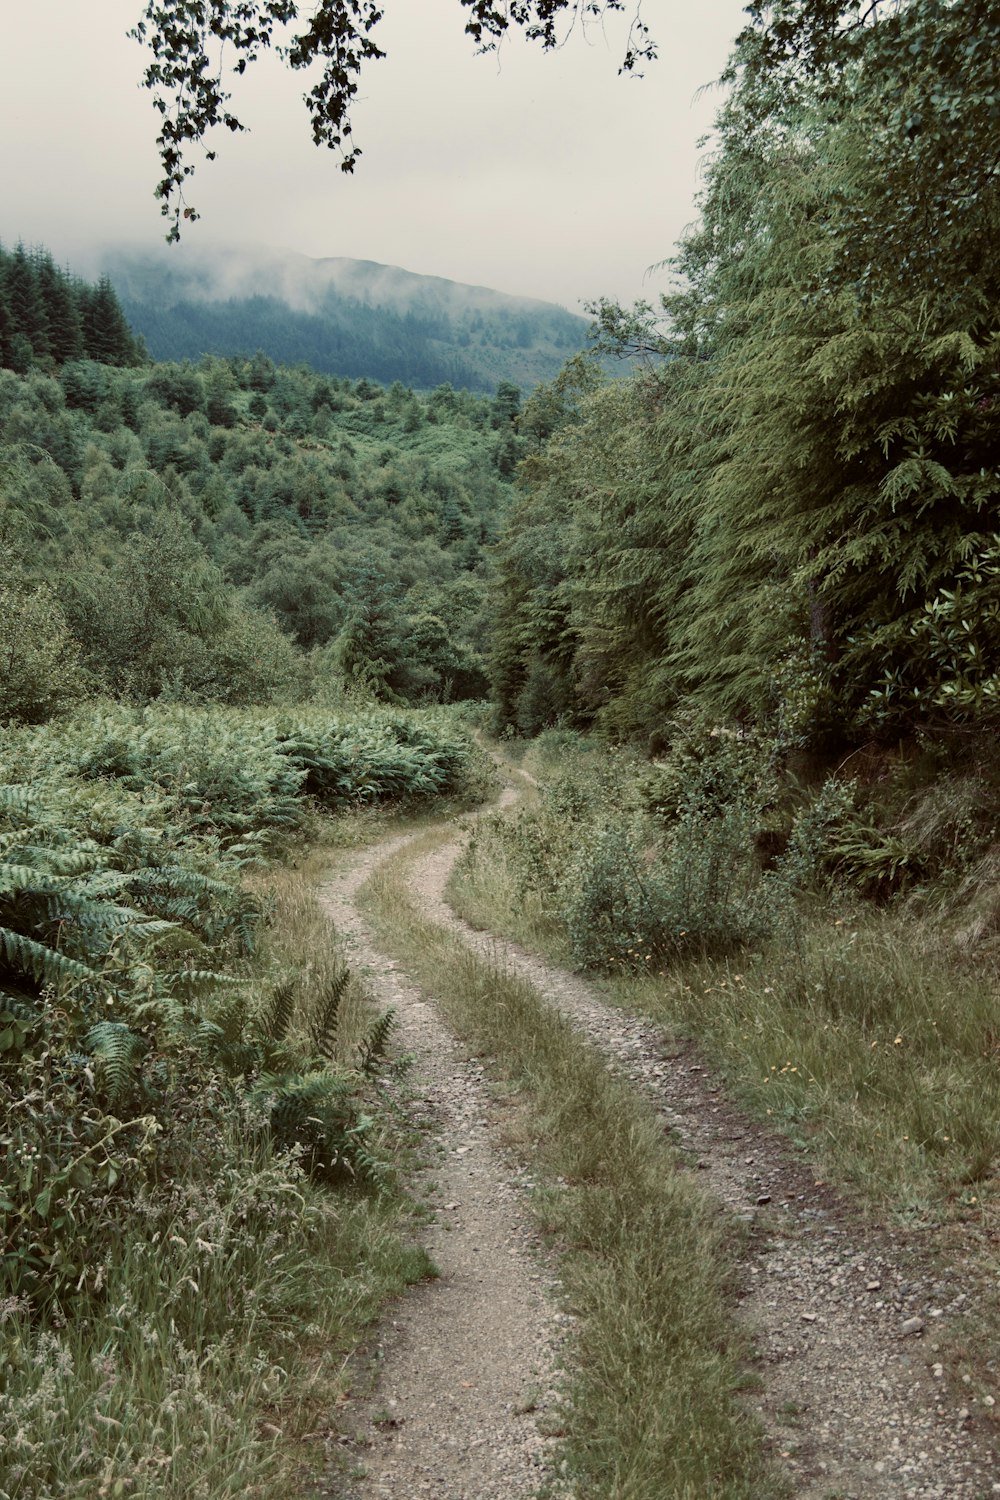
[346, 317]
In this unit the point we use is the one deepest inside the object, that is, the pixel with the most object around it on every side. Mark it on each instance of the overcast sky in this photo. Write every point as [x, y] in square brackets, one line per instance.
[546, 175]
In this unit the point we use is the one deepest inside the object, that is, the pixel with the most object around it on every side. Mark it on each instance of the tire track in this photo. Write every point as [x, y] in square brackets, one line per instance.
[853, 1395]
[467, 1361]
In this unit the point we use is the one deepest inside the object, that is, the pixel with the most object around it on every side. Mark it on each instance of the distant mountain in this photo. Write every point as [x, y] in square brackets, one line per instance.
[343, 317]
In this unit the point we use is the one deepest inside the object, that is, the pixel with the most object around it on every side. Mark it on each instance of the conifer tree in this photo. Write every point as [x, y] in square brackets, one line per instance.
[24, 297]
[61, 310]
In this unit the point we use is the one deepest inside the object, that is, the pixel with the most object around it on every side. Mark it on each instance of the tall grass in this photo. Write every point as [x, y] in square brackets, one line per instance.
[178, 1297]
[225, 1319]
[877, 1056]
[855, 1028]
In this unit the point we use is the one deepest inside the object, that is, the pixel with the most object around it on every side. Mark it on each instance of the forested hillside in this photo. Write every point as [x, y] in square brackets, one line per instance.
[343, 317]
[234, 531]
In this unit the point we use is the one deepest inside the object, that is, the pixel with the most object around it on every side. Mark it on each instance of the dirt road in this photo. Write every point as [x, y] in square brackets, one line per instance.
[853, 1395]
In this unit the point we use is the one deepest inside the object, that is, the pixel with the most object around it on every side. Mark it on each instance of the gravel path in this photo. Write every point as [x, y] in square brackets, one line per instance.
[853, 1395]
[468, 1359]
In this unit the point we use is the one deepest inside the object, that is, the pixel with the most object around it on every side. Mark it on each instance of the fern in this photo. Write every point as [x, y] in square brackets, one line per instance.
[316, 1114]
[324, 1025]
[276, 1019]
[44, 964]
[116, 1050]
[372, 1048]
[223, 1039]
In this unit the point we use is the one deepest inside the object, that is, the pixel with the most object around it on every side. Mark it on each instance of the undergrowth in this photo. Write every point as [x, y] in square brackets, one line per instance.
[199, 1196]
[835, 956]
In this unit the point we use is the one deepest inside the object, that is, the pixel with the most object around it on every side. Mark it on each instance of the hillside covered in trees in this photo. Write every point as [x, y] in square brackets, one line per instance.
[343, 317]
[237, 531]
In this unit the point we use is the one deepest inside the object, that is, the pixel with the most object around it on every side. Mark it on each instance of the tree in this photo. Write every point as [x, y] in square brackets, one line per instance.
[916, 82]
[61, 310]
[188, 38]
[24, 298]
[107, 336]
[39, 659]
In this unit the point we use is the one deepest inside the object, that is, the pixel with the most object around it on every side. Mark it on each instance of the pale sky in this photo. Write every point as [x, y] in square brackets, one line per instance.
[541, 174]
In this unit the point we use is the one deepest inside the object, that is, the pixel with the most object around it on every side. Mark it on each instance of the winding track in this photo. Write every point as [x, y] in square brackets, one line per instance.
[852, 1402]
[467, 1361]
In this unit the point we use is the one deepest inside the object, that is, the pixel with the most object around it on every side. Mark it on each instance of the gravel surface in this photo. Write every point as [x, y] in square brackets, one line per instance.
[467, 1361]
[853, 1395]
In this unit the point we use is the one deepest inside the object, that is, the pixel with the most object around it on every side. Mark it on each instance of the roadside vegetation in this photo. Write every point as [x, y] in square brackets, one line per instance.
[201, 1199]
[831, 946]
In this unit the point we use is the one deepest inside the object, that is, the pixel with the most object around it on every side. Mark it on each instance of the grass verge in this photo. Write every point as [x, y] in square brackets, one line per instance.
[867, 1035]
[652, 1405]
[876, 1055]
[215, 1351]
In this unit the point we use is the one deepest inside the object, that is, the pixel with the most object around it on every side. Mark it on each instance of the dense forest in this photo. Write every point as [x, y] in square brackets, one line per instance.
[237, 531]
[342, 317]
[791, 517]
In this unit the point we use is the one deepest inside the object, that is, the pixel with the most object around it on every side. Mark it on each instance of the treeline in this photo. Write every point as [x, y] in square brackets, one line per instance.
[238, 532]
[348, 337]
[49, 317]
[345, 318]
[360, 341]
[790, 517]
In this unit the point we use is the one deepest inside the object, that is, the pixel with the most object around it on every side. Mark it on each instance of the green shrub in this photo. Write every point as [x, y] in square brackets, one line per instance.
[629, 906]
[122, 918]
[40, 669]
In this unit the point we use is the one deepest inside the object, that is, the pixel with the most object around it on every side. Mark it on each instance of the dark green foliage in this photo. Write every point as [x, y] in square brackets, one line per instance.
[324, 1024]
[200, 558]
[348, 336]
[114, 1048]
[125, 1029]
[373, 1046]
[48, 315]
[790, 520]
[276, 1018]
[316, 1115]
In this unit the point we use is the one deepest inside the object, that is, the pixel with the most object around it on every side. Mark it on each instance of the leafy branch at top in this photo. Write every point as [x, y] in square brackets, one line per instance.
[197, 44]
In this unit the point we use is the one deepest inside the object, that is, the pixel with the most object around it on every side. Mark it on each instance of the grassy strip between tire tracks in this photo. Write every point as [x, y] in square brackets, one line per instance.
[652, 1407]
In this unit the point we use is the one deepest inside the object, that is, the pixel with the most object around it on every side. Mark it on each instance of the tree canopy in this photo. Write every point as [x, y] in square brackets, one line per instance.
[792, 518]
[198, 45]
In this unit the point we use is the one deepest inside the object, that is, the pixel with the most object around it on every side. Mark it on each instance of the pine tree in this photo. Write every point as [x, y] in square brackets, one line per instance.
[107, 336]
[61, 310]
[24, 297]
